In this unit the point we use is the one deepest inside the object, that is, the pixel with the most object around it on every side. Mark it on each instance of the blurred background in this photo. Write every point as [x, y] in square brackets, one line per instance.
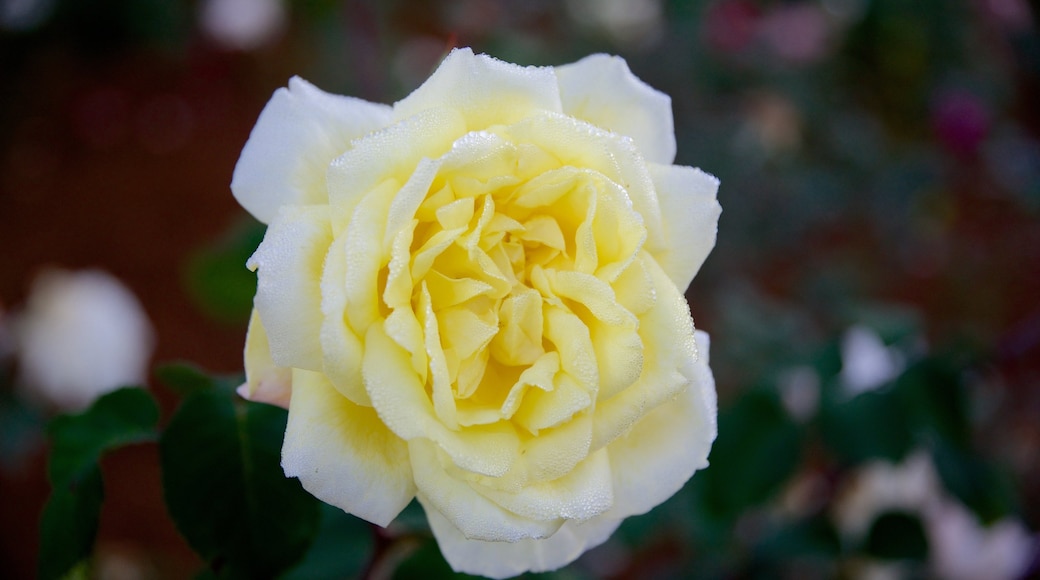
[873, 299]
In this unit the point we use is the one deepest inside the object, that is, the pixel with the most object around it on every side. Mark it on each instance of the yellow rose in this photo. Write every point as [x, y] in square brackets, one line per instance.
[475, 298]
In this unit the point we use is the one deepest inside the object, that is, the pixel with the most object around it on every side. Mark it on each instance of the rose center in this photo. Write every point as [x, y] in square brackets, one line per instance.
[505, 276]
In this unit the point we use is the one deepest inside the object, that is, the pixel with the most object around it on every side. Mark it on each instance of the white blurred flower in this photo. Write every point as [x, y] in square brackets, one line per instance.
[243, 24]
[963, 549]
[881, 487]
[960, 548]
[82, 334]
[866, 363]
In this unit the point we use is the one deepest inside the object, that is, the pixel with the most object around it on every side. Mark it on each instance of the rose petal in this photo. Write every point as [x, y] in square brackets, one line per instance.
[485, 90]
[341, 345]
[507, 559]
[404, 406]
[387, 159]
[550, 455]
[300, 131]
[585, 491]
[578, 144]
[602, 90]
[474, 515]
[669, 347]
[265, 382]
[690, 215]
[343, 454]
[663, 450]
[288, 294]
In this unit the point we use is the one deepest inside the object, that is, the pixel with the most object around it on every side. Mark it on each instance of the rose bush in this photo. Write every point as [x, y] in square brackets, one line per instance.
[474, 297]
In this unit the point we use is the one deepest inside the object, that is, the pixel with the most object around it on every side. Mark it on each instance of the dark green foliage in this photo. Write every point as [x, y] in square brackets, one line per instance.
[975, 481]
[218, 278]
[897, 536]
[226, 491]
[70, 518]
[341, 549]
[871, 426]
[757, 449]
[186, 378]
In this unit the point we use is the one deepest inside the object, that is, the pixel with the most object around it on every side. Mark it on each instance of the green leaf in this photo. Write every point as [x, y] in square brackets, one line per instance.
[186, 378]
[869, 426]
[897, 536]
[69, 524]
[226, 491]
[975, 481]
[341, 549]
[757, 449]
[126, 416]
[70, 517]
[218, 278]
[933, 397]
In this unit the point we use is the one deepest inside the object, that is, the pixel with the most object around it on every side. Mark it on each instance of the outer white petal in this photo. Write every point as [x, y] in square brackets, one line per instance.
[300, 131]
[663, 450]
[343, 454]
[288, 293]
[485, 90]
[602, 90]
[506, 559]
[690, 216]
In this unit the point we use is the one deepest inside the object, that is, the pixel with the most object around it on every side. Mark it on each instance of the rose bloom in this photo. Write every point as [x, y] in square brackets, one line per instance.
[474, 297]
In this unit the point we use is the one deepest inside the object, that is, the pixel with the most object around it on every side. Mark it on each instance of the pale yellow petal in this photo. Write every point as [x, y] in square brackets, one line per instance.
[486, 91]
[343, 454]
[443, 396]
[690, 216]
[289, 266]
[547, 409]
[341, 345]
[363, 256]
[602, 90]
[389, 155]
[663, 450]
[585, 491]
[508, 559]
[404, 406]
[265, 382]
[540, 374]
[619, 356]
[579, 144]
[518, 340]
[475, 516]
[668, 342]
